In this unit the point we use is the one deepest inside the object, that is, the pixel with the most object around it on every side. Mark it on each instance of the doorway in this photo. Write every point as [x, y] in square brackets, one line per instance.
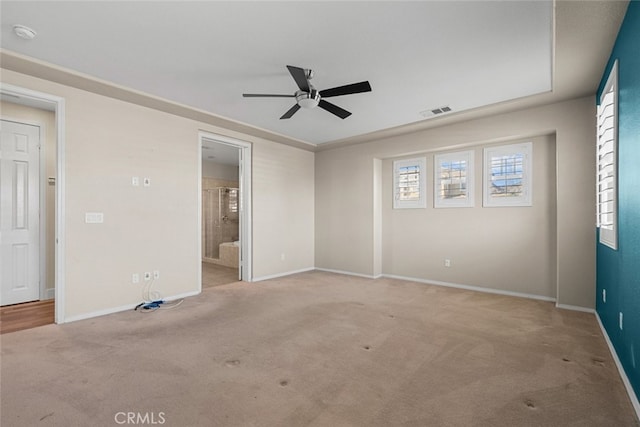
[224, 208]
[33, 280]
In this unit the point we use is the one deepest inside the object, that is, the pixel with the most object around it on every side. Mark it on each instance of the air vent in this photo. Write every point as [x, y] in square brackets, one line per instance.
[440, 110]
[435, 111]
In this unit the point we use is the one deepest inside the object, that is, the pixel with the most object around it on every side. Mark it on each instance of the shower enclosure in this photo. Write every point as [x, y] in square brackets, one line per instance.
[220, 221]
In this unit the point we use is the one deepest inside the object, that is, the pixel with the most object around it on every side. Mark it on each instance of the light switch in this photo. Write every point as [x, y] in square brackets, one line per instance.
[94, 217]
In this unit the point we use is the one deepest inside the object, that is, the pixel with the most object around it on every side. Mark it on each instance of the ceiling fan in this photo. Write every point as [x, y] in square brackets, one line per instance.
[309, 97]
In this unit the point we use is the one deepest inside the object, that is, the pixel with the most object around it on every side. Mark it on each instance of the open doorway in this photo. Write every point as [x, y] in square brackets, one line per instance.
[224, 213]
[32, 140]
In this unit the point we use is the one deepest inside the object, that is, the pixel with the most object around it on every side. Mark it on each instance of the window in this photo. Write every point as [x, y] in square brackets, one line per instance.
[409, 183]
[607, 168]
[453, 180]
[507, 175]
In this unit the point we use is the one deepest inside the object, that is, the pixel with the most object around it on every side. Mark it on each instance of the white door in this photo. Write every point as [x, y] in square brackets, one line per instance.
[19, 212]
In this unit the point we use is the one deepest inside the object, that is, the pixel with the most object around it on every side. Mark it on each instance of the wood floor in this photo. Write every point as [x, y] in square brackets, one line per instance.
[26, 316]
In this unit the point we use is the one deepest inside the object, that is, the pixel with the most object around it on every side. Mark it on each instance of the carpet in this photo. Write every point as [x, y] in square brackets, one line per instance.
[319, 349]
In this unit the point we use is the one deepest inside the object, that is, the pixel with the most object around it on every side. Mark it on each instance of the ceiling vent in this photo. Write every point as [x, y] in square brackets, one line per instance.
[435, 111]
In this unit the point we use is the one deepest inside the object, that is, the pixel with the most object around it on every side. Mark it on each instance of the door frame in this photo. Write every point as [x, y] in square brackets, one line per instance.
[246, 240]
[33, 98]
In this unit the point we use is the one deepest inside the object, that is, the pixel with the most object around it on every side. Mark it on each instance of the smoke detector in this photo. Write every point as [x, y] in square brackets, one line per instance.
[24, 32]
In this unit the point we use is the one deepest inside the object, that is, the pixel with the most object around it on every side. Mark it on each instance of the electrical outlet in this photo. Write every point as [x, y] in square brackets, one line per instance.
[156, 274]
[604, 295]
[135, 181]
[135, 278]
[621, 321]
[447, 263]
[147, 275]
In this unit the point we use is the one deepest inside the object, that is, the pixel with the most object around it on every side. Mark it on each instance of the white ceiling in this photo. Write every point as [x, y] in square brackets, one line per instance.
[216, 152]
[417, 55]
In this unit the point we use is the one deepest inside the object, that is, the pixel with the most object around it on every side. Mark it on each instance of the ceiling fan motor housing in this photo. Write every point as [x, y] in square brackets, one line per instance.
[308, 99]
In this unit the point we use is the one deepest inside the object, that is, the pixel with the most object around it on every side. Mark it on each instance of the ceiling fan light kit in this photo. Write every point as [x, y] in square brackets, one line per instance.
[308, 97]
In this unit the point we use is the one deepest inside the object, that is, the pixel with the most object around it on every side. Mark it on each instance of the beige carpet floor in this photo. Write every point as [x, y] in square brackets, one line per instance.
[319, 349]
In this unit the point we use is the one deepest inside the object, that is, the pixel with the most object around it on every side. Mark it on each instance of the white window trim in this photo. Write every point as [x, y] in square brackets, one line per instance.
[421, 162]
[468, 201]
[526, 149]
[609, 233]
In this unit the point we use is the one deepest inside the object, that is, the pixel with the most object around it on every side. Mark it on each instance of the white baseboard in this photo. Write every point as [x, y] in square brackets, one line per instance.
[286, 273]
[466, 287]
[623, 374]
[183, 295]
[471, 288]
[112, 310]
[455, 285]
[575, 308]
[349, 273]
[84, 316]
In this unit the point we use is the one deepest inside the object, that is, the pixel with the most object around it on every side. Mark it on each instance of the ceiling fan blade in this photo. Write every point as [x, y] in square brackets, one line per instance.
[266, 95]
[346, 90]
[291, 112]
[300, 76]
[334, 109]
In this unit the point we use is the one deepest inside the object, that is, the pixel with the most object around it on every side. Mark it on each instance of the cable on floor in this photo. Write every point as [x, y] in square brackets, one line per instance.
[152, 300]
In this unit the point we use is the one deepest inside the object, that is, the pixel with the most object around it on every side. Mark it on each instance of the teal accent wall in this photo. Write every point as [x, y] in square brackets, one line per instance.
[618, 272]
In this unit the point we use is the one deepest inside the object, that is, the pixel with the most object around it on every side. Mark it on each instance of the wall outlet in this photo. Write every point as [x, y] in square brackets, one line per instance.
[447, 263]
[135, 181]
[621, 321]
[135, 278]
[156, 274]
[604, 295]
[147, 275]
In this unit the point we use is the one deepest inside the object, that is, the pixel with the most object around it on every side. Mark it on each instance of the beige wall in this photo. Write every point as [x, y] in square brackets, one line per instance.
[283, 189]
[155, 228]
[507, 248]
[337, 200]
[345, 216]
[46, 121]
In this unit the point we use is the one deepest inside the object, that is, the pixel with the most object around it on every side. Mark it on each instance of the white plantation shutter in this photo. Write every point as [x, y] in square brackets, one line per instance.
[453, 179]
[409, 183]
[508, 175]
[607, 177]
